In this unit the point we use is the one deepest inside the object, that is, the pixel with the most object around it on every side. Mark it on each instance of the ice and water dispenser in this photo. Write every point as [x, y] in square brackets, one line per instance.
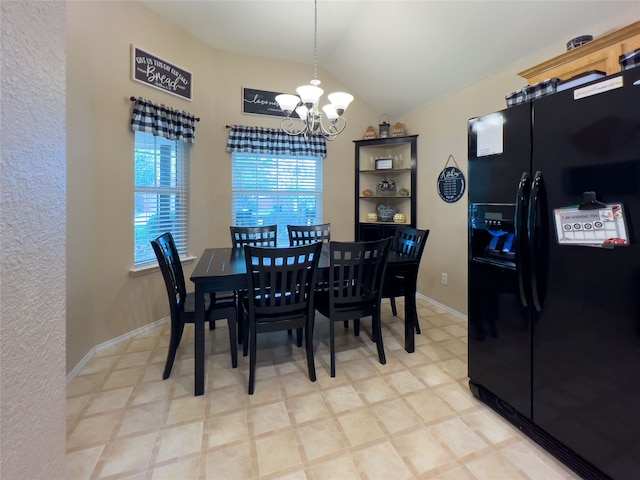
[492, 234]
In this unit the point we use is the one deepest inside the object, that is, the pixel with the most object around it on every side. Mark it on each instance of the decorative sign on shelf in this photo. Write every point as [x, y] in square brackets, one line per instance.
[451, 182]
[261, 102]
[155, 72]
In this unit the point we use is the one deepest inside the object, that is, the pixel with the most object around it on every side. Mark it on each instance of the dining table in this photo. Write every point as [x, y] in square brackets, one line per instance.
[223, 269]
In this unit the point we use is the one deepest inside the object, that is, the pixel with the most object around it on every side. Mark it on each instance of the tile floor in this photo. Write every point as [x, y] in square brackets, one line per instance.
[411, 418]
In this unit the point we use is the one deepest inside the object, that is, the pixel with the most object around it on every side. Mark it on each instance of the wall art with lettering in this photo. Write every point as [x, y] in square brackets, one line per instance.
[261, 102]
[451, 182]
[155, 72]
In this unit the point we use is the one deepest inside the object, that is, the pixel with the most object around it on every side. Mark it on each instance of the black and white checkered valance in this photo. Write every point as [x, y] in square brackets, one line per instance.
[271, 141]
[163, 121]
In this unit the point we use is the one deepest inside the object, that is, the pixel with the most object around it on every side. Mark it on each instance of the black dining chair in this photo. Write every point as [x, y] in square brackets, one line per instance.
[280, 296]
[407, 242]
[182, 304]
[355, 287]
[304, 234]
[258, 236]
[262, 236]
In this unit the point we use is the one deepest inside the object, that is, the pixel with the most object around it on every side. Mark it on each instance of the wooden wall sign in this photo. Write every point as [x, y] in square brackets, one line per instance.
[155, 72]
[261, 102]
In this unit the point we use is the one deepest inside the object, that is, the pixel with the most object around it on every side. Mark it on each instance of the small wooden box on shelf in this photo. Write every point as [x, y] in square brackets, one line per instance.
[385, 185]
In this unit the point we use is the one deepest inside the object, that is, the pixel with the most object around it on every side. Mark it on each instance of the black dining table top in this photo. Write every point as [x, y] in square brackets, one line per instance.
[224, 267]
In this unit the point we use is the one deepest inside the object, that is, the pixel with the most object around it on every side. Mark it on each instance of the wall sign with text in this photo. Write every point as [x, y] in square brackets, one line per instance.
[261, 102]
[451, 182]
[155, 72]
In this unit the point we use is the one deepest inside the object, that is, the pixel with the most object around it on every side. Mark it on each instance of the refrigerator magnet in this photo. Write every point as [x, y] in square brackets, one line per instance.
[602, 227]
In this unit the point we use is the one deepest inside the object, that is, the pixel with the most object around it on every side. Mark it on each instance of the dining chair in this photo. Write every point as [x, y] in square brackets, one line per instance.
[262, 236]
[304, 234]
[407, 242]
[356, 273]
[182, 304]
[279, 296]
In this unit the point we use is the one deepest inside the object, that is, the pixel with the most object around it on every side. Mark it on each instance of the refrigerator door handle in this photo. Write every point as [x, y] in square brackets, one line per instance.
[520, 228]
[538, 247]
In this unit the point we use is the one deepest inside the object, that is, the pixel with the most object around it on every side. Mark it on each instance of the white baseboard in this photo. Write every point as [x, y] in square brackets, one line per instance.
[71, 375]
[444, 307]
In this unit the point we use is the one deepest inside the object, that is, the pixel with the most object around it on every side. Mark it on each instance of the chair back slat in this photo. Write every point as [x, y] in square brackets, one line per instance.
[263, 236]
[357, 269]
[305, 234]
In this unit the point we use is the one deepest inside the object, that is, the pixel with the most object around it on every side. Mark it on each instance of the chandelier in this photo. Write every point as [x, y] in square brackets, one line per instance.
[305, 104]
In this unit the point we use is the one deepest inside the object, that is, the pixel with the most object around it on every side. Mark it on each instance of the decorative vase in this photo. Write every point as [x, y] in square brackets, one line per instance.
[399, 218]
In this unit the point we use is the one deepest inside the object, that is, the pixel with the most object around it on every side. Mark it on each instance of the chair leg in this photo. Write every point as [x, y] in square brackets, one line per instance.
[332, 347]
[174, 341]
[233, 341]
[309, 346]
[245, 337]
[299, 337]
[356, 327]
[346, 325]
[394, 310]
[417, 325]
[239, 317]
[377, 326]
[252, 361]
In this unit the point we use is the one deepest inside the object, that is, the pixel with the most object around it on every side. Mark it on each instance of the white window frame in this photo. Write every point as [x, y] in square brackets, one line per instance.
[161, 198]
[291, 185]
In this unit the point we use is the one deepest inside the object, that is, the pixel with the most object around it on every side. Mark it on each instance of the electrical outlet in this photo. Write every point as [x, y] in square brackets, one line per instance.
[444, 278]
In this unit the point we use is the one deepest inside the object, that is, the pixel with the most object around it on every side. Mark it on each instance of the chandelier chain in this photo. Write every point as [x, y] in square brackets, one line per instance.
[315, 38]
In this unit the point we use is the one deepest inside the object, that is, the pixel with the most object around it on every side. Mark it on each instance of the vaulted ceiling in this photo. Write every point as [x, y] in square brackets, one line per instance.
[395, 54]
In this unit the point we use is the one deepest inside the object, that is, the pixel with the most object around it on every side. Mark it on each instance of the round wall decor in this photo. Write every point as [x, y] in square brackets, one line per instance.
[451, 183]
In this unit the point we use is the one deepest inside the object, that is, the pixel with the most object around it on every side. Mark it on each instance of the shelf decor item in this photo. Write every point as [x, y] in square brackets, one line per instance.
[387, 187]
[384, 163]
[399, 218]
[385, 126]
[370, 133]
[372, 217]
[385, 212]
[398, 130]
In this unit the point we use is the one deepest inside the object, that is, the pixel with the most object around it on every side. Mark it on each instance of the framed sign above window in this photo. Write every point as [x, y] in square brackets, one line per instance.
[261, 102]
[157, 73]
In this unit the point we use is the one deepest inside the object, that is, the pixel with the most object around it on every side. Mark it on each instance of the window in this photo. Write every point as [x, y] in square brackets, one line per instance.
[278, 190]
[161, 194]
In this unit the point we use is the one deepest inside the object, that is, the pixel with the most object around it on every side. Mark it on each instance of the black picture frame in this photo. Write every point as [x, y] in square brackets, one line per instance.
[384, 164]
[261, 102]
[158, 73]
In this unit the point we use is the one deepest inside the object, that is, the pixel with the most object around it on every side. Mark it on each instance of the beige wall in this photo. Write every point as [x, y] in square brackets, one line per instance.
[104, 301]
[32, 241]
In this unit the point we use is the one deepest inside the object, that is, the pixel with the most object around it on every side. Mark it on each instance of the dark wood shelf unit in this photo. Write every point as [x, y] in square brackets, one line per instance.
[404, 152]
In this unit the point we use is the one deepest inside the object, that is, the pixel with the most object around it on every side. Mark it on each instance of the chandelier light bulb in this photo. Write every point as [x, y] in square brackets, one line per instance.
[287, 102]
[340, 100]
[309, 94]
[330, 112]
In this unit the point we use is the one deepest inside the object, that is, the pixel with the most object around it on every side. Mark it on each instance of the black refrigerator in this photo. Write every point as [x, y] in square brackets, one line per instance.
[554, 272]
